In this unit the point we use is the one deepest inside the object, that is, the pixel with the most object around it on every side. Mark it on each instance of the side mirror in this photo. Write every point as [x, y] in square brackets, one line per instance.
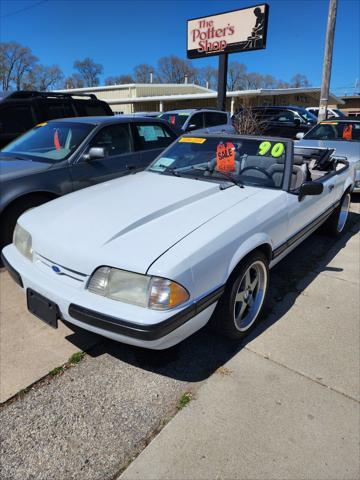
[310, 188]
[94, 153]
[191, 127]
[300, 135]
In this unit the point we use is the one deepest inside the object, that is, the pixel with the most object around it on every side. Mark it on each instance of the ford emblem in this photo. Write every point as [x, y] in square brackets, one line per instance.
[55, 268]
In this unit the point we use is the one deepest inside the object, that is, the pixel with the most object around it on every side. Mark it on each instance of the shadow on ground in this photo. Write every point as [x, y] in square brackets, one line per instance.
[197, 357]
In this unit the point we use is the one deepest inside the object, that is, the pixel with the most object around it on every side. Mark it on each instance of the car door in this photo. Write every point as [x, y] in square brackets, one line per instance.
[150, 139]
[120, 156]
[307, 213]
[217, 122]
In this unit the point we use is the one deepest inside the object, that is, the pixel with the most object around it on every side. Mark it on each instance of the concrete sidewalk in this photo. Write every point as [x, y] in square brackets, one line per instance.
[29, 348]
[287, 405]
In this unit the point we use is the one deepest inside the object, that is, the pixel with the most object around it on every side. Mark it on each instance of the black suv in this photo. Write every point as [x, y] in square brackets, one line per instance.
[22, 110]
[281, 121]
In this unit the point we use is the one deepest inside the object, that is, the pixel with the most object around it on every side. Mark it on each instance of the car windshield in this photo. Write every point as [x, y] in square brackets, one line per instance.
[243, 160]
[345, 131]
[308, 116]
[177, 119]
[50, 142]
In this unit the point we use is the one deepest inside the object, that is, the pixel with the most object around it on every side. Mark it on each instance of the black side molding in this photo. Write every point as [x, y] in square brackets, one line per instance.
[141, 331]
[13, 273]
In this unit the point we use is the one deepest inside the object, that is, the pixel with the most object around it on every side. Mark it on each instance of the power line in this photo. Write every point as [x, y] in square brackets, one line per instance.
[23, 9]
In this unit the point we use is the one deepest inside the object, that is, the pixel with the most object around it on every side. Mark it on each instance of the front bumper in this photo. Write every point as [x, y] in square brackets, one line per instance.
[112, 319]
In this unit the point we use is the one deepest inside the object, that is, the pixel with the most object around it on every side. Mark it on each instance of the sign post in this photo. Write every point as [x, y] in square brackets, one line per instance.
[236, 31]
[222, 81]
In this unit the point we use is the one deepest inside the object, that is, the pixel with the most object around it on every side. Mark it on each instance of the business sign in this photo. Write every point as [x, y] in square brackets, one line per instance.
[229, 32]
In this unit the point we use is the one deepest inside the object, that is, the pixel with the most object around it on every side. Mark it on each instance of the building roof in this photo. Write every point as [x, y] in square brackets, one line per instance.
[126, 86]
[212, 94]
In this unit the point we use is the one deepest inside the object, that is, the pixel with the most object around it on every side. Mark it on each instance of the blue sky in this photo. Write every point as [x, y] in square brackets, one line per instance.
[120, 34]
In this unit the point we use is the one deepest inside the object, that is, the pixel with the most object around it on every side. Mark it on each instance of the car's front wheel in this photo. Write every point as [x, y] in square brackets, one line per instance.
[240, 306]
[336, 223]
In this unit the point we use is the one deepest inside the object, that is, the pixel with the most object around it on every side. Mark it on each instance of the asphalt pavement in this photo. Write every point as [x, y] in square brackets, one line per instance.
[293, 389]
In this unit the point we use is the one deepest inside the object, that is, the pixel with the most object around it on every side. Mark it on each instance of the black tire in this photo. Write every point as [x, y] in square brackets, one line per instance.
[225, 320]
[11, 215]
[335, 224]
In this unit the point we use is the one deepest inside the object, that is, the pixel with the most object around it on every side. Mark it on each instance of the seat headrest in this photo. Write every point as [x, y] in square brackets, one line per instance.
[298, 159]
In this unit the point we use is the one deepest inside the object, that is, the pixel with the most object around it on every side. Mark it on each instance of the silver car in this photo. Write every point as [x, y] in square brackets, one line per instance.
[202, 120]
[341, 134]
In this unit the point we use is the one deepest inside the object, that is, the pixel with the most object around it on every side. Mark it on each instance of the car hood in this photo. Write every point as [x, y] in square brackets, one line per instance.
[349, 149]
[128, 222]
[12, 167]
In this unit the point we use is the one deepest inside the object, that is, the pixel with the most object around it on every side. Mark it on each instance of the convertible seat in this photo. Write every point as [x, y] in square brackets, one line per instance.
[299, 172]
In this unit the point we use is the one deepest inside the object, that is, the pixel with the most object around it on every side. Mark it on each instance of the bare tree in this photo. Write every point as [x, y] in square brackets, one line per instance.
[236, 76]
[88, 71]
[119, 80]
[246, 122]
[299, 80]
[15, 62]
[143, 73]
[43, 78]
[207, 76]
[173, 69]
[74, 81]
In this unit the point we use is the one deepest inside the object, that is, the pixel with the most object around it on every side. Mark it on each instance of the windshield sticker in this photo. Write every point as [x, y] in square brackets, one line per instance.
[347, 132]
[162, 164]
[192, 140]
[41, 124]
[329, 123]
[183, 114]
[225, 157]
[56, 140]
[275, 150]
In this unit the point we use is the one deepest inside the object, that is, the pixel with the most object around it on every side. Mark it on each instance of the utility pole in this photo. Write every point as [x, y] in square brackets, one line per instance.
[328, 53]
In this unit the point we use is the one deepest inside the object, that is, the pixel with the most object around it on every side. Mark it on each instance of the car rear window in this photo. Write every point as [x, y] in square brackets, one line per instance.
[177, 119]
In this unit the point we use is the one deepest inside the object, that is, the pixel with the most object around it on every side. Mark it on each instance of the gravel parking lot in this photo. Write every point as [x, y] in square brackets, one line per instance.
[91, 421]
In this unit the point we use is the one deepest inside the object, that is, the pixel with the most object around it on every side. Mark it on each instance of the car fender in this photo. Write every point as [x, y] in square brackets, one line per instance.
[251, 244]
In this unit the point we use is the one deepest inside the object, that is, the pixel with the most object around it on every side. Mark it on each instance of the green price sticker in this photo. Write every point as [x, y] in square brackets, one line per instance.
[275, 150]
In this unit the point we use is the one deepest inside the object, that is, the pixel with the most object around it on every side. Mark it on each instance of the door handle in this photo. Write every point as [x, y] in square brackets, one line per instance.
[331, 187]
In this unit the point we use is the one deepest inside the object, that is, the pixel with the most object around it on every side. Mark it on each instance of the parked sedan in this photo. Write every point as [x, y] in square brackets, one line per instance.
[150, 258]
[61, 156]
[341, 135]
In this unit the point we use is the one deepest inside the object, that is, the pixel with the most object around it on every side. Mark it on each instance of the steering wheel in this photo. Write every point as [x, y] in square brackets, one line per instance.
[258, 169]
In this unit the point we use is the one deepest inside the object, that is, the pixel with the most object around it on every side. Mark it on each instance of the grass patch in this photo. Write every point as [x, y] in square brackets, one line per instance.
[184, 400]
[56, 371]
[21, 393]
[76, 357]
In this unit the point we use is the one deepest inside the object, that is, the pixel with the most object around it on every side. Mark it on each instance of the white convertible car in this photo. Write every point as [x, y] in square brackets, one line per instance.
[150, 258]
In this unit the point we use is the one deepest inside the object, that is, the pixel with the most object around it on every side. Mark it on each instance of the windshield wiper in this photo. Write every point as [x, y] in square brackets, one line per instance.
[210, 171]
[172, 170]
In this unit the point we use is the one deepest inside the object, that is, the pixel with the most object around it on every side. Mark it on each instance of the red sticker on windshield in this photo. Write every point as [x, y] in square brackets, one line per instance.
[56, 140]
[225, 157]
[347, 132]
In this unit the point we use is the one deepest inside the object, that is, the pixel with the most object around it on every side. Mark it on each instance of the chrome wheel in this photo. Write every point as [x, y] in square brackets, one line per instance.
[343, 214]
[250, 296]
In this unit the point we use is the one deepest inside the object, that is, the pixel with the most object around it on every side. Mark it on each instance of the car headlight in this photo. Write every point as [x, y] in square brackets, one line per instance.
[23, 241]
[150, 292]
